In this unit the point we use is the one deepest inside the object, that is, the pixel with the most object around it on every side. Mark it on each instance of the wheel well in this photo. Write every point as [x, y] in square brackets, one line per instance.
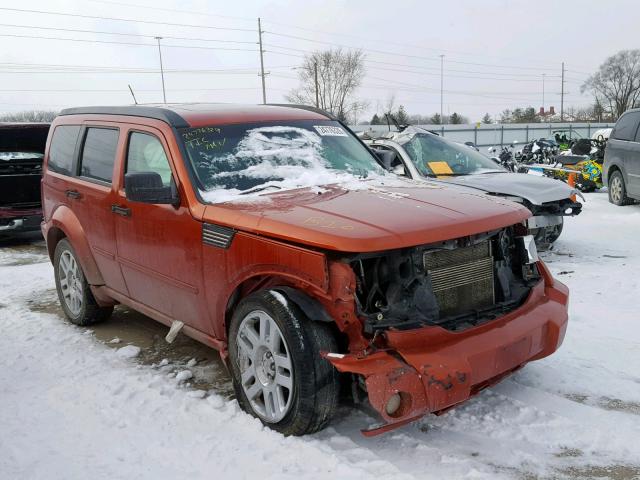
[53, 237]
[312, 308]
[614, 168]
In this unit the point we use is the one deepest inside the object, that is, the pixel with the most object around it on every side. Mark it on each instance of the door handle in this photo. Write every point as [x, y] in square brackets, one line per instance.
[124, 211]
[73, 194]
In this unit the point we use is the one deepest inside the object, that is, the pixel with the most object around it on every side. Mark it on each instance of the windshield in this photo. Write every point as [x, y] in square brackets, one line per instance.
[435, 156]
[238, 159]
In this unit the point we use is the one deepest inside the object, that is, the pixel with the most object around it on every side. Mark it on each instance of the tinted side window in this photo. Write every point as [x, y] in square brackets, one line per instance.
[63, 146]
[146, 154]
[99, 154]
[626, 127]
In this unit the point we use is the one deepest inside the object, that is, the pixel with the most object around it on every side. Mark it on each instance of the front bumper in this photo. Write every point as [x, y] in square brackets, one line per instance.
[433, 369]
[15, 221]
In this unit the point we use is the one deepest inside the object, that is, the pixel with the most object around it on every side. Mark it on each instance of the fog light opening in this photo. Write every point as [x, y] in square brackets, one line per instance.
[568, 211]
[398, 404]
[393, 404]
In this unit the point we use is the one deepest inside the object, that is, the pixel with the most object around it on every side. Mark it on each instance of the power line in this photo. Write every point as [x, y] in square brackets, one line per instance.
[85, 40]
[297, 27]
[102, 32]
[528, 75]
[131, 20]
[434, 58]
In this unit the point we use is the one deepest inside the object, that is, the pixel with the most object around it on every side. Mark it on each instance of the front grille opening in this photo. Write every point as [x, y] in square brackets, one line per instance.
[462, 279]
[456, 284]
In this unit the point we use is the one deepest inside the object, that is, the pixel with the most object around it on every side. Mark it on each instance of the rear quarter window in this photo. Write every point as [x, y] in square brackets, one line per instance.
[99, 153]
[626, 126]
[62, 149]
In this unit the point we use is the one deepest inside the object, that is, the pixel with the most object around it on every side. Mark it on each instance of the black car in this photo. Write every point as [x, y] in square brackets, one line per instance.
[21, 151]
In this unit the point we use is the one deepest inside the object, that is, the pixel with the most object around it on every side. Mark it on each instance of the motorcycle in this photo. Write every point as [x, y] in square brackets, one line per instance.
[541, 151]
[585, 161]
[506, 157]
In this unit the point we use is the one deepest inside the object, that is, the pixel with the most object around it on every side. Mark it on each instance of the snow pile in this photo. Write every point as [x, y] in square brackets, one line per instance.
[130, 351]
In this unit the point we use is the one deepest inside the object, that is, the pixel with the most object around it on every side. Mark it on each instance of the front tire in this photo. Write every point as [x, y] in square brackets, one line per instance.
[618, 190]
[278, 374]
[76, 299]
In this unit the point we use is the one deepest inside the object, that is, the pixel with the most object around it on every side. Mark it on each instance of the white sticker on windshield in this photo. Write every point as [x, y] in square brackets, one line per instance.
[330, 131]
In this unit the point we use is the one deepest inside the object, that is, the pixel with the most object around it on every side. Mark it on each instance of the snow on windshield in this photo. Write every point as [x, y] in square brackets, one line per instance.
[235, 163]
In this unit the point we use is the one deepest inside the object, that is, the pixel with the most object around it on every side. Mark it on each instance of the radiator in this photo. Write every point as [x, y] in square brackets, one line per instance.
[462, 279]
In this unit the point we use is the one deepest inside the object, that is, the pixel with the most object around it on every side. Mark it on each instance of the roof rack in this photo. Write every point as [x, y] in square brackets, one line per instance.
[164, 114]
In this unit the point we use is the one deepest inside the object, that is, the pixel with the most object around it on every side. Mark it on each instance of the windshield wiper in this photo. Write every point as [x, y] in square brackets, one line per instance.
[259, 189]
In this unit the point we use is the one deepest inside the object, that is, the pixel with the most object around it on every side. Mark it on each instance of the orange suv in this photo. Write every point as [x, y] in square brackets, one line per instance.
[272, 234]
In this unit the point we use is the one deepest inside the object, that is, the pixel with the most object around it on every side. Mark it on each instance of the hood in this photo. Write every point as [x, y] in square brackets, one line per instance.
[370, 218]
[537, 190]
[23, 137]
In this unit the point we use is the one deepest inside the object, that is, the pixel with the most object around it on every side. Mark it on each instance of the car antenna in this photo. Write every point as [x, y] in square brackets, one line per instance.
[132, 94]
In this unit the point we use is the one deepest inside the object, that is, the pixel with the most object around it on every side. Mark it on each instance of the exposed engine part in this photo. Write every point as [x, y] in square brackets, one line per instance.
[454, 284]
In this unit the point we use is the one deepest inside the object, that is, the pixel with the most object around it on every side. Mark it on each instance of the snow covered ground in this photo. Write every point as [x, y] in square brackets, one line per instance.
[75, 405]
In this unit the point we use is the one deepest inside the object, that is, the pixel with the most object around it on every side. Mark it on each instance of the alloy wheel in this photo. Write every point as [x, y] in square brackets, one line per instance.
[616, 189]
[70, 282]
[265, 366]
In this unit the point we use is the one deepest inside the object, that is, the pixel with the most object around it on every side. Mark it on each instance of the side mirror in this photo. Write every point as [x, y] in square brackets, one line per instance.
[147, 187]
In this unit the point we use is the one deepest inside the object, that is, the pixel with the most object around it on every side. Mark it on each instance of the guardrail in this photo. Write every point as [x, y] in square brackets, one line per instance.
[500, 134]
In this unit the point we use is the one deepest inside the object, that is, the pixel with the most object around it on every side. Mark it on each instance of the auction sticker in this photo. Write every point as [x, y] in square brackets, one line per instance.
[330, 131]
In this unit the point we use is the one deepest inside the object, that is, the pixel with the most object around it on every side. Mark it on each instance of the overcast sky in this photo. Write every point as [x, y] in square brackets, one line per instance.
[496, 51]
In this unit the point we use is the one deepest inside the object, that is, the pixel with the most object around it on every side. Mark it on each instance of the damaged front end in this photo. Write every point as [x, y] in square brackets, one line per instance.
[449, 319]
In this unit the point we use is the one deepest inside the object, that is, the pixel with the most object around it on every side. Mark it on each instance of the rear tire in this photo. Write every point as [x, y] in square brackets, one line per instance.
[76, 299]
[618, 190]
[278, 374]
[553, 233]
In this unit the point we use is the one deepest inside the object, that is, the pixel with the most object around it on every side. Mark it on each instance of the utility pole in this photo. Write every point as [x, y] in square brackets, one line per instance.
[164, 93]
[441, 89]
[264, 91]
[562, 96]
[315, 73]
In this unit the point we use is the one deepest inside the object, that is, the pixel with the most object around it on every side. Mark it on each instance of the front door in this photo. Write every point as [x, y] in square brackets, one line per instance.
[159, 246]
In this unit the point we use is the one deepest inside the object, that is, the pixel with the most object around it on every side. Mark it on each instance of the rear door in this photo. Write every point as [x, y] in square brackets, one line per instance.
[91, 193]
[624, 151]
[159, 246]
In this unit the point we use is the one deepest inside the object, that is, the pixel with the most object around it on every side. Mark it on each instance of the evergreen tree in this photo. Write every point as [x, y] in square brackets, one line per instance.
[401, 116]
[455, 119]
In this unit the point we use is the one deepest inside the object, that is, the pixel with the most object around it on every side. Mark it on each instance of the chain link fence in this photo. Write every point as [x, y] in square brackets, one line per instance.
[500, 134]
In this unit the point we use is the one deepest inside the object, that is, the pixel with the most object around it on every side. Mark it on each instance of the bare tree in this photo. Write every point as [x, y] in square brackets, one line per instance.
[616, 84]
[29, 116]
[340, 73]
